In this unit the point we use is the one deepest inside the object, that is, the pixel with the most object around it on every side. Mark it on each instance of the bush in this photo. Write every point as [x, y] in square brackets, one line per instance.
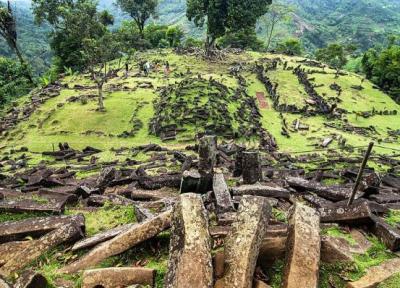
[291, 47]
[192, 42]
[244, 39]
[13, 81]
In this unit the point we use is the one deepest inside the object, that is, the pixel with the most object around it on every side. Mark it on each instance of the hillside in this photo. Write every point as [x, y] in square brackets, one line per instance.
[126, 167]
[133, 103]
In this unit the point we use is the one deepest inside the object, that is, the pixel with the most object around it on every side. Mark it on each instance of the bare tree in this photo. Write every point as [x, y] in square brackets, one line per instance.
[276, 13]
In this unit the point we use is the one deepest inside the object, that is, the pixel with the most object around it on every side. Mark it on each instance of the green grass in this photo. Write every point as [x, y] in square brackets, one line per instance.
[105, 218]
[51, 123]
[392, 282]
[279, 215]
[339, 233]
[393, 218]
[8, 216]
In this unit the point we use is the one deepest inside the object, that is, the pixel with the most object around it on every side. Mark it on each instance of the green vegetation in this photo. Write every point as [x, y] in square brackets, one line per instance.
[393, 218]
[383, 69]
[13, 81]
[104, 218]
[234, 15]
[334, 55]
[6, 216]
[339, 233]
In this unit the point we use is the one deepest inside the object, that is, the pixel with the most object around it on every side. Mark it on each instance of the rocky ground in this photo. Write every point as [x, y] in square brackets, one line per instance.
[142, 195]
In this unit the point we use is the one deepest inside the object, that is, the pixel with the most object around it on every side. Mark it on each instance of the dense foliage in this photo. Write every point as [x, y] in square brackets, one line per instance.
[139, 10]
[383, 69]
[13, 81]
[290, 47]
[223, 17]
[334, 55]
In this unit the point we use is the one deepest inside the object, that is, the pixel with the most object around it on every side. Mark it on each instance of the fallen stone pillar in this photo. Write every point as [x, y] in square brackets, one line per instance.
[355, 214]
[377, 274]
[243, 242]
[302, 248]
[118, 277]
[251, 167]
[10, 249]
[101, 237]
[190, 261]
[222, 195]
[261, 190]
[131, 237]
[35, 227]
[66, 233]
[389, 235]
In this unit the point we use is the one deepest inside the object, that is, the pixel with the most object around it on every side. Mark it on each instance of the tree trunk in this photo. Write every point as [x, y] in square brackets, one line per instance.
[270, 35]
[101, 103]
[23, 63]
[135, 235]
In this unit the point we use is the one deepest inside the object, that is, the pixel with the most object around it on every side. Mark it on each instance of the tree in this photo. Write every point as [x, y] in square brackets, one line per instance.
[13, 80]
[383, 69]
[8, 31]
[290, 47]
[244, 38]
[225, 15]
[334, 55]
[72, 22]
[97, 53]
[139, 10]
[174, 36]
[276, 13]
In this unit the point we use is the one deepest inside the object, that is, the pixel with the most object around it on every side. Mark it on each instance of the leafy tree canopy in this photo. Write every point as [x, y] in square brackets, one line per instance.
[139, 10]
[290, 47]
[13, 81]
[225, 15]
[334, 55]
[383, 68]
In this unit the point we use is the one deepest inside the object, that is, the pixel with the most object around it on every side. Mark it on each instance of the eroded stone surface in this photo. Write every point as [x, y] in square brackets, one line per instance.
[243, 242]
[377, 274]
[190, 262]
[302, 248]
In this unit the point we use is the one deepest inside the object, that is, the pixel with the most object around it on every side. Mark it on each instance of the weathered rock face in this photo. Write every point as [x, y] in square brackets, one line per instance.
[302, 248]
[261, 190]
[129, 238]
[222, 195]
[389, 235]
[17, 230]
[251, 167]
[190, 262]
[66, 233]
[118, 277]
[357, 213]
[377, 274]
[207, 161]
[243, 242]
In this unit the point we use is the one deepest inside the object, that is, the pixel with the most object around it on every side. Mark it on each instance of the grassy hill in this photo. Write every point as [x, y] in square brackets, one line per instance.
[311, 115]
[137, 105]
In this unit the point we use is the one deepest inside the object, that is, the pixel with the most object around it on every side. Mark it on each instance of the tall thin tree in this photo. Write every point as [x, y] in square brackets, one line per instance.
[8, 30]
